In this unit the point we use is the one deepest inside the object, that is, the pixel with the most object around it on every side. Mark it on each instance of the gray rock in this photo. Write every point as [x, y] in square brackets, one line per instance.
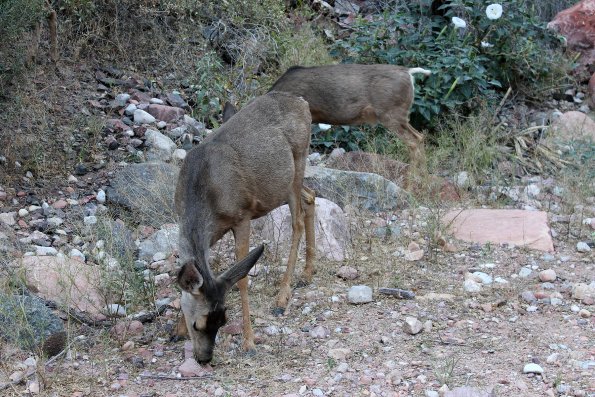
[117, 238]
[100, 196]
[121, 99]
[582, 291]
[482, 277]
[160, 146]
[471, 286]
[532, 368]
[175, 99]
[164, 240]
[581, 246]
[8, 218]
[524, 272]
[46, 251]
[359, 189]
[28, 322]
[412, 326]
[130, 109]
[147, 189]
[359, 294]
[177, 132]
[462, 179]
[528, 296]
[142, 117]
[90, 220]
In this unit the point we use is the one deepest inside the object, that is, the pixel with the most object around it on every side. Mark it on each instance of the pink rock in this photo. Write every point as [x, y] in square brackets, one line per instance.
[467, 391]
[332, 232]
[165, 113]
[125, 328]
[188, 353]
[65, 281]
[60, 204]
[518, 227]
[234, 328]
[413, 246]
[577, 24]
[547, 275]
[191, 368]
[573, 125]
[414, 255]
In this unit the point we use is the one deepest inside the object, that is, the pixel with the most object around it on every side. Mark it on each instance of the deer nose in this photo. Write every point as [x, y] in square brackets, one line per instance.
[204, 361]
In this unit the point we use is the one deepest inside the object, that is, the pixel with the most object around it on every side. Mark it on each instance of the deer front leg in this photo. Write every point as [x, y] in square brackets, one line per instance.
[297, 225]
[309, 205]
[241, 235]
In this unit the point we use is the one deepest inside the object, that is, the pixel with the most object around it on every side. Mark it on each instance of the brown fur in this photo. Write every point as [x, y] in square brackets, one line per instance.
[252, 164]
[359, 94]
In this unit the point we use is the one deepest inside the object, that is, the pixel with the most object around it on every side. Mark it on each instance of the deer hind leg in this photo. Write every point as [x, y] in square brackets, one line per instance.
[241, 235]
[415, 143]
[297, 225]
[309, 206]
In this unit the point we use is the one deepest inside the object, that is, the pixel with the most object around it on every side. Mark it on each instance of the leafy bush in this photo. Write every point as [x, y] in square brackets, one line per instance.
[481, 59]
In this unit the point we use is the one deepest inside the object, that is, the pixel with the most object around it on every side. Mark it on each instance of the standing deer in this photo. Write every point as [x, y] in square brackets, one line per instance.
[352, 94]
[252, 164]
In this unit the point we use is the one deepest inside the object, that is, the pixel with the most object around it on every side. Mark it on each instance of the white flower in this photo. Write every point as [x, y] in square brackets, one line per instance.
[324, 127]
[459, 23]
[494, 11]
[485, 44]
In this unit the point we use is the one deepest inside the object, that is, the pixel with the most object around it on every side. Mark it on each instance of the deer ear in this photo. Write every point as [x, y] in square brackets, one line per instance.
[228, 111]
[189, 278]
[240, 269]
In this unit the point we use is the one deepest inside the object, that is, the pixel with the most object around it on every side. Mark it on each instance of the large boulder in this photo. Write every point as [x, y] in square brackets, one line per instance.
[66, 282]
[332, 232]
[362, 190]
[147, 189]
[391, 169]
[577, 24]
[515, 227]
[571, 126]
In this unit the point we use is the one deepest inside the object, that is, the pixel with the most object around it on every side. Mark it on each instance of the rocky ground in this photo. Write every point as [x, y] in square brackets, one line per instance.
[513, 317]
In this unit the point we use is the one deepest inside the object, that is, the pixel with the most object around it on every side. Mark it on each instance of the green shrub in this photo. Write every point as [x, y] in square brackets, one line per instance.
[480, 60]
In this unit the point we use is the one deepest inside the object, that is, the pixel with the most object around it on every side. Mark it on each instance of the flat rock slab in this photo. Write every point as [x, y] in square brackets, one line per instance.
[518, 227]
[66, 282]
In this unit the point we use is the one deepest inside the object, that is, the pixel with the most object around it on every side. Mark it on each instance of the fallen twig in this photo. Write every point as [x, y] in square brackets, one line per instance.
[170, 377]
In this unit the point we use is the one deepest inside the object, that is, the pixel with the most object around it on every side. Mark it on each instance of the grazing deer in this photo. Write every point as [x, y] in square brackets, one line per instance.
[352, 94]
[252, 164]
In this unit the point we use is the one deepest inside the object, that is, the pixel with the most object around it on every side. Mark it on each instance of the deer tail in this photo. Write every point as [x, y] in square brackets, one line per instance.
[413, 71]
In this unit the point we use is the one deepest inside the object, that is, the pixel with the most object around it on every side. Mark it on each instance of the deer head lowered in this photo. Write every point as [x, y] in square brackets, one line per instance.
[252, 164]
[353, 94]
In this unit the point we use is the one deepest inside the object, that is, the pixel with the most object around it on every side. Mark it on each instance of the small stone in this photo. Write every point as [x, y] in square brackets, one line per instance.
[339, 354]
[8, 218]
[532, 368]
[179, 154]
[347, 273]
[100, 197]
[33, 387]
[359, 294]
[46, 251]
[76, 254]
[581, 246]
[482, 277]
[581, 291]
[319, 332]
[584, 313]
[23, 212]
[412, 325]
[547, 275]
[552, 358]
[524, 272]
[471, 286]
[528, 296]
[142, 117]
[414, 255]
[129, 345]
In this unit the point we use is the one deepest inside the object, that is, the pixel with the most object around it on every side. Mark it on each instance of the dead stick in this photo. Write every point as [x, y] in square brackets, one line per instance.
[169, 377]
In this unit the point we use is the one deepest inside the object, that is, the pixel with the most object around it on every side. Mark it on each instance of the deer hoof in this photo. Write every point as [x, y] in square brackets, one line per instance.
[278, 311]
